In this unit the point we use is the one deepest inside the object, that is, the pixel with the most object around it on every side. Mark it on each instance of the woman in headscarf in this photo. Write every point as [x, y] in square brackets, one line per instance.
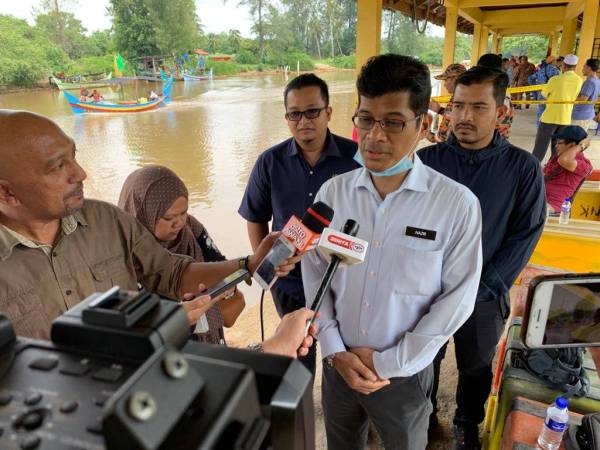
[158, 198]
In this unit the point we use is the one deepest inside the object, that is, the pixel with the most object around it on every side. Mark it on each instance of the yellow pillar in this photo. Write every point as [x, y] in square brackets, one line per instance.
[553, 41]
[449, 38]
[494, 43]
[476, 43]
[586, 36]
[450, 35]
[483, 44]
[567, 43]
[500, 43]
[368, 30]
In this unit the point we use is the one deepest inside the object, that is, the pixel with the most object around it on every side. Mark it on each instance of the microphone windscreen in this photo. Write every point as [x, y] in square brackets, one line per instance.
[317, 217]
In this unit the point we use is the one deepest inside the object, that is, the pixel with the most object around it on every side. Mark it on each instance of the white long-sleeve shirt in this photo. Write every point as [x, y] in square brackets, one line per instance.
[418, 283]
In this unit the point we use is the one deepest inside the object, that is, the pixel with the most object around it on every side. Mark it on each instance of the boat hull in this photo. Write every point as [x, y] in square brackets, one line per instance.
[80, 107]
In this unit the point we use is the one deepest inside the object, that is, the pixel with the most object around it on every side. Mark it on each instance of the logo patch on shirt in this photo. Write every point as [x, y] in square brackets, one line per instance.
[421, 233]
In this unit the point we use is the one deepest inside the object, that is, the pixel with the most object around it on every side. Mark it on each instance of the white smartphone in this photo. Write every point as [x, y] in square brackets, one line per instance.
[563, 311]
[265, 272]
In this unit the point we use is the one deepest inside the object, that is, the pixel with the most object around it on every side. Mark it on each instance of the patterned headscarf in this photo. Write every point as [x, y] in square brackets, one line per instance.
[148, 193]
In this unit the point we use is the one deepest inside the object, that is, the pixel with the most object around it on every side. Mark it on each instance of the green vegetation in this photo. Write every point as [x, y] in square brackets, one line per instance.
[285, 32]
[341, 62]
[534, 47]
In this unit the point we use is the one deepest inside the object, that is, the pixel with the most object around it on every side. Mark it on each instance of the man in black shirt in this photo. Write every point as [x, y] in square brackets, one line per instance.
[509, 184]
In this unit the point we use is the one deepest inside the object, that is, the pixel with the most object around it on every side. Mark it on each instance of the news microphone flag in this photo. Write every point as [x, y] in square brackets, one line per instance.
[297, 236]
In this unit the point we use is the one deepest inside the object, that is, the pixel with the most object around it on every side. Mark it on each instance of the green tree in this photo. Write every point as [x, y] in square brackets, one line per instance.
[26, 55]
[234, 39]
[134, 27]
[175, 24]
[535, 47]
[70, 35]
[101, 43]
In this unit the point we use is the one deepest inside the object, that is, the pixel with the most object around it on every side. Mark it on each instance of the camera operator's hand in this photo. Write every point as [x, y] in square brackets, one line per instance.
[262, 250]
[289, 339]
[195, 307]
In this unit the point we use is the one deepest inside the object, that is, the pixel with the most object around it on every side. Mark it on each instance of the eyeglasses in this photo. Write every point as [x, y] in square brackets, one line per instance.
[387, 125]
[312, 113]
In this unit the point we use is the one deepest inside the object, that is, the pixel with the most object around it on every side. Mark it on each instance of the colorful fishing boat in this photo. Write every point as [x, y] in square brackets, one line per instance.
[80, 107]
[190, 77]
[80, 81]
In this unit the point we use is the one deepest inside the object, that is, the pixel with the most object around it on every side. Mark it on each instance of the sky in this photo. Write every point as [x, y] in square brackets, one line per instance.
[214, 15]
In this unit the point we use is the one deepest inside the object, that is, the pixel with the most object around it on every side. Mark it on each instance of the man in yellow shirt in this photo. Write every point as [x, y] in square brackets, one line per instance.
[563, 87]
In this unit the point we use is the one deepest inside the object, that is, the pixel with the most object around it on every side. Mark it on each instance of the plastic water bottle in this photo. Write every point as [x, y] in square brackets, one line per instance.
[565, 212]
[557, 418]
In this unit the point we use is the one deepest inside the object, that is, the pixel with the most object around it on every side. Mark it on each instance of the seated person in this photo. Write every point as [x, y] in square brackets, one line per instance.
[158, 199]
[565, 171]
[83, 94]
[152, 95]
[96, 96]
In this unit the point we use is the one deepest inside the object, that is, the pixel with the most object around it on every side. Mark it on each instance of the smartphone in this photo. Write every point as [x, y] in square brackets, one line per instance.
[227, 283]
[265, 272]
[563, 311]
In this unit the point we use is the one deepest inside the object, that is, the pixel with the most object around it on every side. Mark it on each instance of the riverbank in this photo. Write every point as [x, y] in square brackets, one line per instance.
[319, 68]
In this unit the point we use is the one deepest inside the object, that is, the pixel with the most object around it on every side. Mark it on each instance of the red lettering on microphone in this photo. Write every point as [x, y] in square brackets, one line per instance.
[346, 243]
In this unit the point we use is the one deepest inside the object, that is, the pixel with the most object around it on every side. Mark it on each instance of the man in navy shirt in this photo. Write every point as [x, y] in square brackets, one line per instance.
[509, 184]
[286, 177]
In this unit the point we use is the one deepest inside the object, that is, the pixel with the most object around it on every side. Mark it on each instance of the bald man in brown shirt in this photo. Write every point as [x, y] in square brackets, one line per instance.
[57, 248]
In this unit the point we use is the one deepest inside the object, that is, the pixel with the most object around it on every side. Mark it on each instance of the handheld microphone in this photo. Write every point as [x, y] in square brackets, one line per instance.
[339, 248]
[297, 236]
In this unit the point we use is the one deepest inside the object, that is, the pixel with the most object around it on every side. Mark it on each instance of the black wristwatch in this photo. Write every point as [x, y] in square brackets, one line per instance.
[243, 264]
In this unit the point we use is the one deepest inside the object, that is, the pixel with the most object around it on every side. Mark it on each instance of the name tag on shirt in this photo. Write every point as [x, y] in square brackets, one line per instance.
[421, 233]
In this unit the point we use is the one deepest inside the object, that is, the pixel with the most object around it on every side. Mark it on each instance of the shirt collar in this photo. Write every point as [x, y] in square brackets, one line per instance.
[9, 239]
[331, 148]
[418, 179]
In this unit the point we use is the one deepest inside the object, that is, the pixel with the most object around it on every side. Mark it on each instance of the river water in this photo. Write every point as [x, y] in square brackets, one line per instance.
[210, 135]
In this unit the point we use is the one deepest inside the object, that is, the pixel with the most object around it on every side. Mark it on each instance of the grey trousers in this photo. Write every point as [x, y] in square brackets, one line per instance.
[543, 137]
[399, 411]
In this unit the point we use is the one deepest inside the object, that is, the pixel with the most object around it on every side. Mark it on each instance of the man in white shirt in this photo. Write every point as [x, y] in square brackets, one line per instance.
[383, 321]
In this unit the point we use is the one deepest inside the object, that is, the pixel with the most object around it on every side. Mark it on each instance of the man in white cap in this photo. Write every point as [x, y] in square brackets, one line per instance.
[564, 87]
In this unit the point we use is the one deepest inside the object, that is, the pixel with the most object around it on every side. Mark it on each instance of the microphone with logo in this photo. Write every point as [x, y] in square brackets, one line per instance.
[338, 248]
[298, 236]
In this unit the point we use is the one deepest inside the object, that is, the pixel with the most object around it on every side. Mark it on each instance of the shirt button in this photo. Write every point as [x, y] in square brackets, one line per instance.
[54, 254]
[367, 304]
[364, 332]
[372, 273]
[376, 243]
[311, 172]
[310, 194]
[68, 292]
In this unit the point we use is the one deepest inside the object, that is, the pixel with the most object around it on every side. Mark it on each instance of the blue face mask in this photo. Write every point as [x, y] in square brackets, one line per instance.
[404, 165]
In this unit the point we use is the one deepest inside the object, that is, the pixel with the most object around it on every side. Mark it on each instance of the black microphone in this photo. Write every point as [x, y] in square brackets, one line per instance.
[350, 228]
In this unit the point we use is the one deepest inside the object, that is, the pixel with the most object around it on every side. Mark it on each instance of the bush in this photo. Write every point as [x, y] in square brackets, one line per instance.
[246, 57]
[342, 62]
[27, 57]
[93, 64]
[223, 67]
[291, 59]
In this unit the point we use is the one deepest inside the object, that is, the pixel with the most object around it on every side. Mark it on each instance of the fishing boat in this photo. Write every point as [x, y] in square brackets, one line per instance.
[190, 77]
[80, 81]
[80, 107]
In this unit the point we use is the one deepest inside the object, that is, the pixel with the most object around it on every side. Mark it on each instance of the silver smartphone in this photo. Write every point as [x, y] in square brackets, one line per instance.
[265, 272]
[564, 311]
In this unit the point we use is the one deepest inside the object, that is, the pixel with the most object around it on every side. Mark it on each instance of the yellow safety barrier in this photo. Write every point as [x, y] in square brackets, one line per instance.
[511, 90]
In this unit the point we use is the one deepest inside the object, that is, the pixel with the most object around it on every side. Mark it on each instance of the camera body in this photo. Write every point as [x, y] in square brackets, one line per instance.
[120, 373]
